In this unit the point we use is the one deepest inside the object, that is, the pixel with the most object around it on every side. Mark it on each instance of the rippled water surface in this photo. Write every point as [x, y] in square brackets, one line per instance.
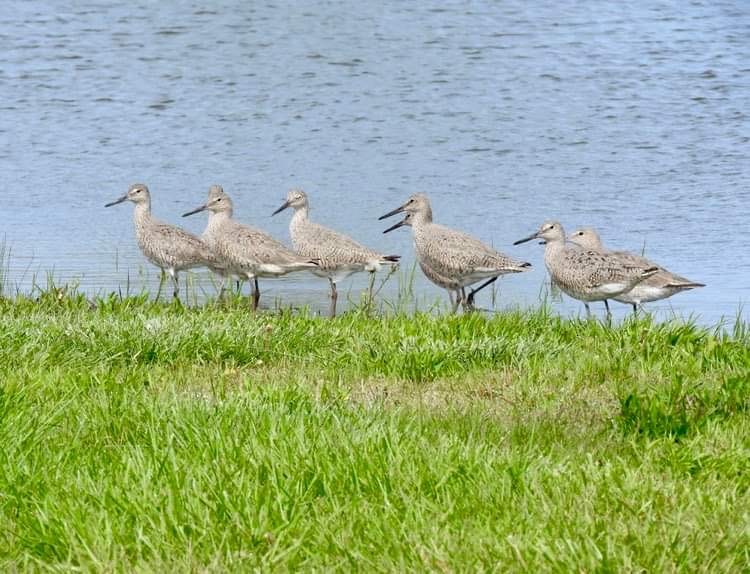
[631, 119]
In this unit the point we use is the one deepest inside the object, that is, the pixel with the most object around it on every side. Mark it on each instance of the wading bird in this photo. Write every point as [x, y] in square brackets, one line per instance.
[660, 285]
[455, 257]
[168, 247]
[586, 274]
[244, 250]
[338, 255]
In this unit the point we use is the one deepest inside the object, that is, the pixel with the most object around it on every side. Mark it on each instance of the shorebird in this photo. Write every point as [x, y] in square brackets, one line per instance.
[168, 247]
[452, 285]
[244, 250]
[587, 274]
[660, 285]
[457, 258]
[338, 255]
[208, 237]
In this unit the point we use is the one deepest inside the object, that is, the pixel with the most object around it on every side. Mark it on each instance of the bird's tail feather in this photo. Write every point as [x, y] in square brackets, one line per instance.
[686, 284]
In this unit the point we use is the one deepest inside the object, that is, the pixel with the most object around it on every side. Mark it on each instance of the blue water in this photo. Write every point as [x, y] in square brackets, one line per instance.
[629, 118]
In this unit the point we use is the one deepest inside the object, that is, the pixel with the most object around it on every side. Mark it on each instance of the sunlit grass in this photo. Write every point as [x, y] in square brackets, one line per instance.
[139, 435]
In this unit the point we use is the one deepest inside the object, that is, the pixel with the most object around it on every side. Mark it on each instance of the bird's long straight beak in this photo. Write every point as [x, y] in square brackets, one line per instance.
[196, 210]
[282, 208]
[116, 201]
[392, 227]
[525, 239]
[392, 213]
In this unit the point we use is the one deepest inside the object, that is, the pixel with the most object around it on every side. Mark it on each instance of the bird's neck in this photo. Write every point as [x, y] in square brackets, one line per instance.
[217, 219]
[423, 217]
[420, 228]
[552, 250]
[142, 214]
[299, 217]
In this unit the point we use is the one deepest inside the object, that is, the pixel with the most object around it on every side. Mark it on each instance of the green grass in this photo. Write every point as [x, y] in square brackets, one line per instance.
[152, 437]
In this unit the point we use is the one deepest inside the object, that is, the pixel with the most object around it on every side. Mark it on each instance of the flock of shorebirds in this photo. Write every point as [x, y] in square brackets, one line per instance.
[579, 265]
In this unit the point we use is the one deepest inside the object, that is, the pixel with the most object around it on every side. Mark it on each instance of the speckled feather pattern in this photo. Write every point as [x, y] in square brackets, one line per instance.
[444, 281]
[582, 273]
[244, 249]
[170, 247]
[660, 285]
[457, 255]
[334, 250]
[662, 278]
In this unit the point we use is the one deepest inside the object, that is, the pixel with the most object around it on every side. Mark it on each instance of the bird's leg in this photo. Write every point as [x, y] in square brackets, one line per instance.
[459, 300]
[334, 296]
[162, 279]
[588, 310]
[455, 302]
[478, 289]
[635, 309]
[370, 295]
[470, 299]
[223, 289]
[468, 304]
[175, 280]
[609, 313]
[256, 294]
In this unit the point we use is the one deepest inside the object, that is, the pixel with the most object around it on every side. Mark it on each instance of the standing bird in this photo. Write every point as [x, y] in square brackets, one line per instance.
[168, 247]
[586, 274]
[338, 255]
[455, 258]
[660, 285]
[244, 250]
[450, 284]
[209, 238]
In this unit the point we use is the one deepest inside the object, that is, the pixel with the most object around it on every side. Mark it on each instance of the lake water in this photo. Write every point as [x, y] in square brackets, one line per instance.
[629, 118]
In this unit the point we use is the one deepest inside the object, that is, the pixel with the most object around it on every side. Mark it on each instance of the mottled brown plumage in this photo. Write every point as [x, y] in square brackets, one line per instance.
[586, 274]
[244, 250]
[338, 255]
[660, 285]
[453, 255]
[168, 247]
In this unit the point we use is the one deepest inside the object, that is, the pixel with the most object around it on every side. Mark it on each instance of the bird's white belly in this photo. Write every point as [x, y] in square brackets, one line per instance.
[606, 291]
[269, 270]
[479, 275]
[644, 294]
[610, 289]
[372, 265]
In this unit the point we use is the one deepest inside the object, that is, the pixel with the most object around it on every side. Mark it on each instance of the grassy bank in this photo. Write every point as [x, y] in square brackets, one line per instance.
[154, 437]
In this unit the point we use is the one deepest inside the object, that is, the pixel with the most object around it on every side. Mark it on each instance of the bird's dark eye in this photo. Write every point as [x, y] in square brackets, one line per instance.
[218, 199]
[138, 191]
